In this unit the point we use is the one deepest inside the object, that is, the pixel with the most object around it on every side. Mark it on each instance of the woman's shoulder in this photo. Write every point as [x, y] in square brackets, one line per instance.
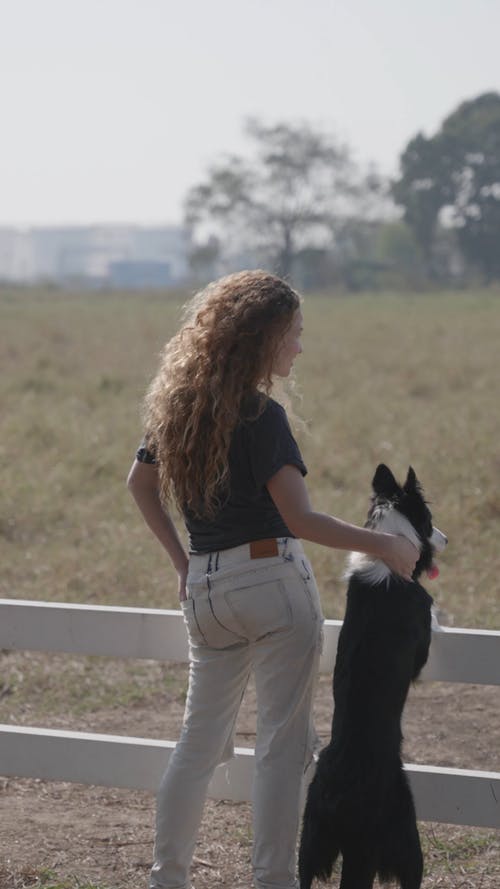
[259, 407]
[265, 418]
[275, 413]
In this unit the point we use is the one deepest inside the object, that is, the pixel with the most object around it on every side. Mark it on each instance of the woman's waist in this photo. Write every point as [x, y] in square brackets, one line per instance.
[254, 554]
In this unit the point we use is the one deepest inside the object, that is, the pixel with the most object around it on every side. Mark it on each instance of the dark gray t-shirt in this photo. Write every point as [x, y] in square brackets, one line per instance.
[259, 448]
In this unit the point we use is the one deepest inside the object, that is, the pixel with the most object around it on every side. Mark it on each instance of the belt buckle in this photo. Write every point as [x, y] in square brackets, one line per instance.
[264, 549]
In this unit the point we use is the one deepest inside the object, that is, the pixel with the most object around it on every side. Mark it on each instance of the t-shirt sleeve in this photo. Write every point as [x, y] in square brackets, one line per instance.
[272, 444]
[145, 454]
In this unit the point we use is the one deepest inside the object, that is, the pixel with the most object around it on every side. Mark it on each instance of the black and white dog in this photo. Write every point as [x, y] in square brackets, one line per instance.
[359, 803]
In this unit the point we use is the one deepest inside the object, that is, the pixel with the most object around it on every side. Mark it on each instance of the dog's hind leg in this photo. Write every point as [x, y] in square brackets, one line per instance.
[406, 861]
[357, 872]
[400, 853]
[306, 875]
[320, 836]
[318, 850]
[411, 865]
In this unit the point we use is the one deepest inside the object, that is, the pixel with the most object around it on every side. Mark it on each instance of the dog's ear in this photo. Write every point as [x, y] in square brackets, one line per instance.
[412, 483]
[384, 482]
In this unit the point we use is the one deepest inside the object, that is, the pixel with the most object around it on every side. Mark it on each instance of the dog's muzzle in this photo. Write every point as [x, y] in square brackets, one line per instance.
[438, 540]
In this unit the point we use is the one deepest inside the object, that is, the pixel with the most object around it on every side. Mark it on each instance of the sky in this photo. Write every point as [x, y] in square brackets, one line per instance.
[110, 110]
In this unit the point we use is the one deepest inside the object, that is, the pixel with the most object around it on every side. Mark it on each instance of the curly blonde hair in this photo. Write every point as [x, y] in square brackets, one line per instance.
[209, 371]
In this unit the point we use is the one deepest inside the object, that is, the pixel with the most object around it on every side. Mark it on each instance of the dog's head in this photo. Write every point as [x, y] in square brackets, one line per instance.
[403, 510]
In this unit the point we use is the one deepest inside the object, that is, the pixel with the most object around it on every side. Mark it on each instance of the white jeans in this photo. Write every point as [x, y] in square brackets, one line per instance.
[244, 614]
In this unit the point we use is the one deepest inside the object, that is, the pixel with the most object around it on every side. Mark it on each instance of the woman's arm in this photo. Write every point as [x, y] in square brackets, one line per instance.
[288, 490]
[142, 483]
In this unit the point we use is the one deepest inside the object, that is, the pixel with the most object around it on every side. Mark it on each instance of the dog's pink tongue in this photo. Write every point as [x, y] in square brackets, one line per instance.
[433, 572]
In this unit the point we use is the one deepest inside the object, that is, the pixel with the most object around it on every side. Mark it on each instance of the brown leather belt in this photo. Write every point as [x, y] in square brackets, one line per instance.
[264, 549]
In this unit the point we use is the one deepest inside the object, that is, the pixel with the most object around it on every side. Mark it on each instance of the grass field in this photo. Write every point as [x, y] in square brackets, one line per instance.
[401, 379]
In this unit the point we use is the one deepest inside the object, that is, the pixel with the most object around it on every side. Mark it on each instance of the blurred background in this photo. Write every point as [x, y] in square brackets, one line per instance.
[151, 146]
[148, 146]
[346, 143]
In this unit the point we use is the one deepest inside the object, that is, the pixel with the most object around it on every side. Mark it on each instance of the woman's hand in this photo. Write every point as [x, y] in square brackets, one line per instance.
[399, 555]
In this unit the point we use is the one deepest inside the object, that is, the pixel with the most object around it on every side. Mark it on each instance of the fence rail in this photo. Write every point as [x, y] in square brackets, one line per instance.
[455, 796]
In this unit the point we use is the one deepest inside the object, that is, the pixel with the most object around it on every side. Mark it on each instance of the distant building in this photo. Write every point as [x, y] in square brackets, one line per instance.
[132, 273]
[105, 255]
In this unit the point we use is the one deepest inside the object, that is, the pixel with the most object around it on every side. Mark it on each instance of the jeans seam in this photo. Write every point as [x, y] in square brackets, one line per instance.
[197, 623]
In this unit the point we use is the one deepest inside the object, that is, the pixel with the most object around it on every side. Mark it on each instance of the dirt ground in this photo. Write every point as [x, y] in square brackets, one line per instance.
[67, 836]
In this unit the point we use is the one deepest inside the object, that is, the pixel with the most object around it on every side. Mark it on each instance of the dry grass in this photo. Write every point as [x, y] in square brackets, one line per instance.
[392, 378]
[120, 855]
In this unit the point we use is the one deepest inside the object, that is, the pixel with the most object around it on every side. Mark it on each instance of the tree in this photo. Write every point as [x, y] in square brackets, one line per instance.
[455, 177]
[419, 192]
[286, 199]
[203, 259]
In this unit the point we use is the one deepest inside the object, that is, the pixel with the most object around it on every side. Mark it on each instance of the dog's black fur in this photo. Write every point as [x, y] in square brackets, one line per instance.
[359, 803]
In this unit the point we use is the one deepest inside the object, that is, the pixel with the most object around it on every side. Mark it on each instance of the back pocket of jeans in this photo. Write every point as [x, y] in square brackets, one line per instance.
[205, 626]
[261, 609]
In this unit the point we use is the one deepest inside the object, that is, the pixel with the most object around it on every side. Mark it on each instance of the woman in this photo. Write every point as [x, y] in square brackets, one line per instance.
[220, 448]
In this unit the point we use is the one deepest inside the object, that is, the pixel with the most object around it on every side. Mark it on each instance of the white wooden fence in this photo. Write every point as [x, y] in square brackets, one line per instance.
[455, 796]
